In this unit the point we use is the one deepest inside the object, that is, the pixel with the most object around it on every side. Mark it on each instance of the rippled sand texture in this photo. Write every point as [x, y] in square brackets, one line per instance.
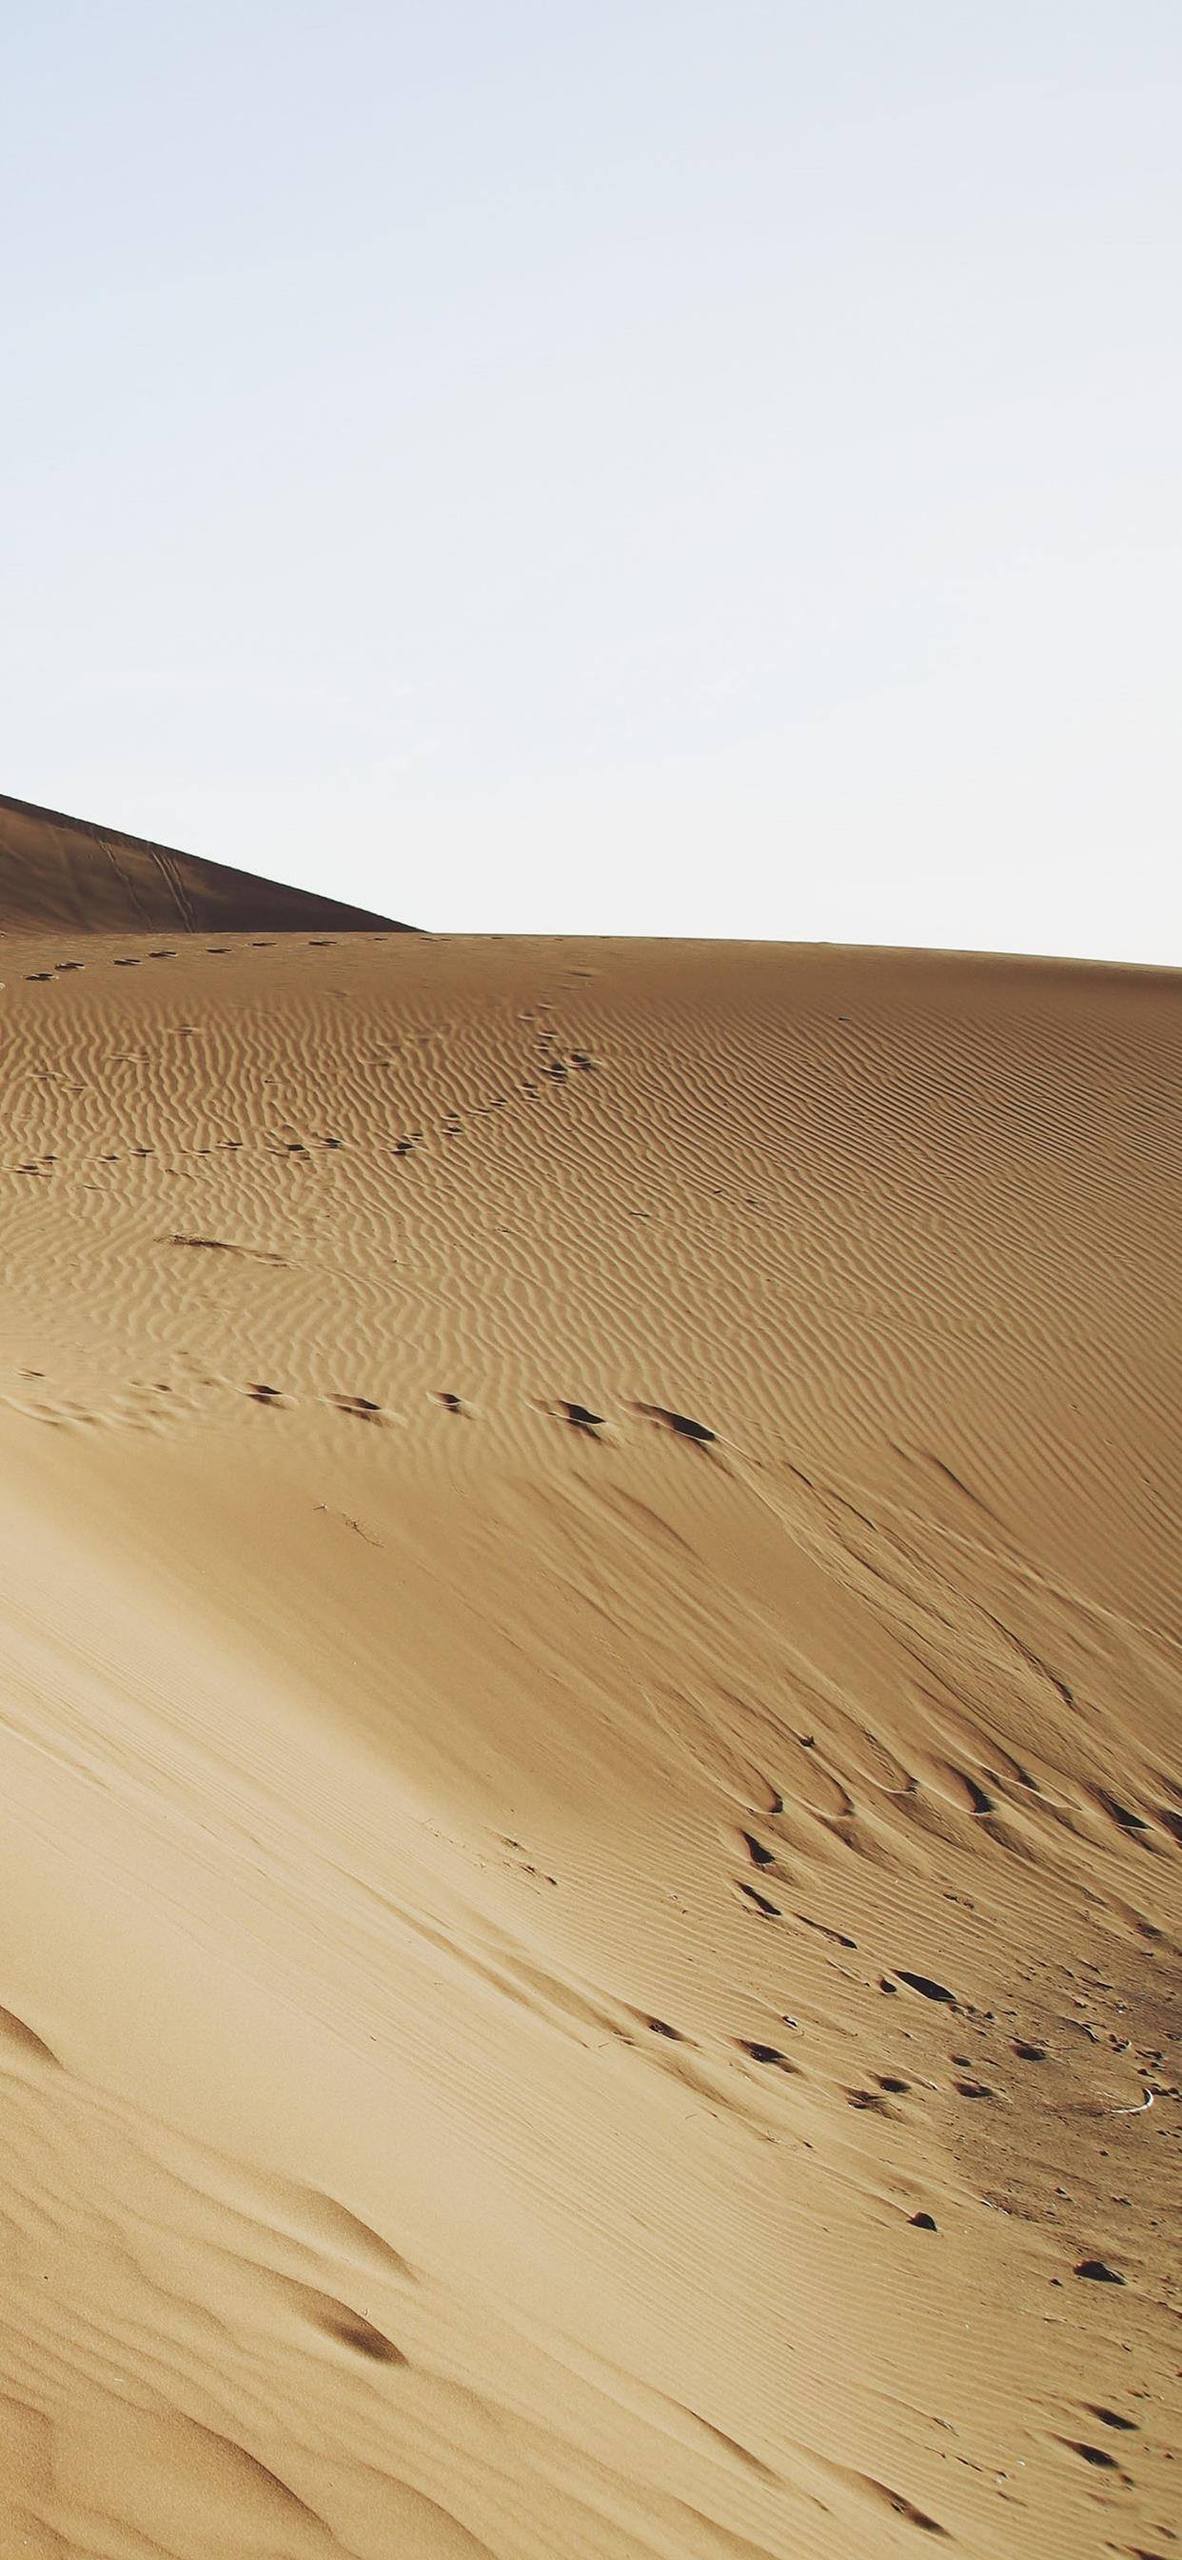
[588, 1749]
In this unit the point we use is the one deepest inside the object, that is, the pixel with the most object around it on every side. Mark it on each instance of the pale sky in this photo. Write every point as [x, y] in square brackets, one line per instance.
[707, 468]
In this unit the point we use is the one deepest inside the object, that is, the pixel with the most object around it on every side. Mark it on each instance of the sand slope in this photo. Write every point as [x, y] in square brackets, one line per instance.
[511, 1906]
[64, 873]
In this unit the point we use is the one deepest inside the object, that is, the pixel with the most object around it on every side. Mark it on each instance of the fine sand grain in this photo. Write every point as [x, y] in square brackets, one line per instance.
[589, 1677]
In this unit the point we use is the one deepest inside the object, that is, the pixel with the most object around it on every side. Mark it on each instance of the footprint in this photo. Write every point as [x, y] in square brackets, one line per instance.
[927, 1989]
[352, 2331]
[681, 1423]
[767, 1910]
[1121, 1814]
[362, 1408]
[836, 1937]
[901, 2506]
[1092, 2453]
[338, 2320]
[759, 1856]
[24, 2041]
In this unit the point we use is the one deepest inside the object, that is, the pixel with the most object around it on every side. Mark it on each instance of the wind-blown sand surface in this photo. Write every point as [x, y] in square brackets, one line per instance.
[517, 1915]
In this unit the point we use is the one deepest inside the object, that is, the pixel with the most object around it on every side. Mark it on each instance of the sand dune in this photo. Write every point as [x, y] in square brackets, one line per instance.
[62, 872]
[593, 1817]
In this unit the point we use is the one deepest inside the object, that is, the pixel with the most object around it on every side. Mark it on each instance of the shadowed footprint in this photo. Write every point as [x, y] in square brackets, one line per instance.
[759, 1856]
[682, 1423]
[562, 1409]
[24, 2041]
[767, 1910]
[927, 1989]
[1093, 2453]
[352, 2331]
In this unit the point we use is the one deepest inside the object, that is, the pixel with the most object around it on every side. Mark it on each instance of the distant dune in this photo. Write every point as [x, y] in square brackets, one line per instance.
[63, 872]
[589, 1690]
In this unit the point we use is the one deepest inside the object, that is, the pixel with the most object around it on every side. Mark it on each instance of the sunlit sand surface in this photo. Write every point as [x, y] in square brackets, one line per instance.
[589, 1686]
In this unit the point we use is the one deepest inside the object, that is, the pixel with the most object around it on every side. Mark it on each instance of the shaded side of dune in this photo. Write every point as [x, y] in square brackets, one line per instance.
[90, 879]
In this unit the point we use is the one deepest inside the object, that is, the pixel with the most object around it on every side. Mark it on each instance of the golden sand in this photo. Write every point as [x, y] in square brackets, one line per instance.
[589, 1677]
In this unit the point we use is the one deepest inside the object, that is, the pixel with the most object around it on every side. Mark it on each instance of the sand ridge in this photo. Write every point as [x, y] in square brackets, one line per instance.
[61, 871]
[590, 1677]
